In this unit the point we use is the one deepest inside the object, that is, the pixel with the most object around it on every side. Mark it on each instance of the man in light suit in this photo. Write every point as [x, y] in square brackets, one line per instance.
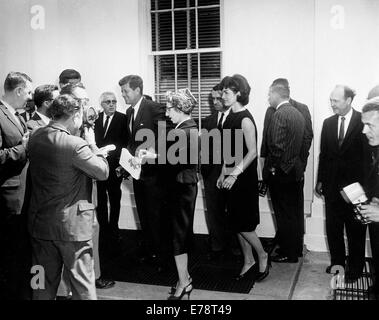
[43, 98]
[149, 189]
[304, 152]
[283, 170]
[110, 128]
[344, 155]
[61, 215]
[13, 167]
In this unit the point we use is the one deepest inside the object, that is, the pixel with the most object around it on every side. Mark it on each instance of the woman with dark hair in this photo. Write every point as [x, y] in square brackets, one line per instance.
[182, 183]
[240, 179]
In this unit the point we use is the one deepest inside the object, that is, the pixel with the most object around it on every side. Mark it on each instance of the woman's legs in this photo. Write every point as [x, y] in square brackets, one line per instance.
[252, 238]
[248, 258]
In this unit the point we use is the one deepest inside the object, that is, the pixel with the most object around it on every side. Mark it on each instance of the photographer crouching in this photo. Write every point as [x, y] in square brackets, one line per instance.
[370, 212]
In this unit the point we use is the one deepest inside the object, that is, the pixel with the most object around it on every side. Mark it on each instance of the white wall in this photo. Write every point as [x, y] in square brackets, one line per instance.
[101, 39]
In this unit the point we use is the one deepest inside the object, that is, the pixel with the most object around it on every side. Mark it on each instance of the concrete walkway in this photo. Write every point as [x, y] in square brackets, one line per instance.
[305, 280]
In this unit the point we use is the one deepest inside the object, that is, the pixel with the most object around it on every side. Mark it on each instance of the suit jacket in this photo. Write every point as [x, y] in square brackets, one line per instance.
[372, 184]
[186, 172]
[116, 134]
[308, 131]
[284, 140]
[35, 122]
[61, 169]
[23, 114]
[341, 166]
[148, 116]
[13, 162]
[210, 123]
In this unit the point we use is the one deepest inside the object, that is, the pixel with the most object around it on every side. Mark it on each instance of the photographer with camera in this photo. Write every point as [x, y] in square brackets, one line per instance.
[370, 119]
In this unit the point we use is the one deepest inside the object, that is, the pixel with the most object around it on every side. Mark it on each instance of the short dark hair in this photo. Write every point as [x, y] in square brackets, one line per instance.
[281, 87]
[69, 88]
[282, 82]
[63, 107]
[68, 74]
[217, 87]
[44, 93]
[237, 83]
[14, 80]
[348, 92]
[371, 105]
[134, 82]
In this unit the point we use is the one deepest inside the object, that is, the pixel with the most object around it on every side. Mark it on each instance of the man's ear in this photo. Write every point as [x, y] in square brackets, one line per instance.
[18, 91]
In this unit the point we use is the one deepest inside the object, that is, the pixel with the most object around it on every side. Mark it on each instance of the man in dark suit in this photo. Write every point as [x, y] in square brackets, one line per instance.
[304, 152]
[30, 110]
[344, 155]
[61, 212]
[43, 98]
[370, 119]
[149, 189]
[210, 171]
[69, 76]
[13, 167]
[110, 128]
[283, 170]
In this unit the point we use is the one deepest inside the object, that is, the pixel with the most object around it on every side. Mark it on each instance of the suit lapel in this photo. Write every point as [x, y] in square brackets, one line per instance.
[334, 133]
[354, 122]
[11, 118]
[138, 118]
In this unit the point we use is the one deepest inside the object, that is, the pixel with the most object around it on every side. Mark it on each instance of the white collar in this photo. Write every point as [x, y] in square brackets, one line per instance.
[280, 104]
[136, 107]
[43, 117]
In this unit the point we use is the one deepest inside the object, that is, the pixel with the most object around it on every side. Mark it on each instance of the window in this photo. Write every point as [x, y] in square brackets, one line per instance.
[186, 48]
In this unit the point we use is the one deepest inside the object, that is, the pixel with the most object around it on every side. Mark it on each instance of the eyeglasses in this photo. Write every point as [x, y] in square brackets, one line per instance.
[110, 101]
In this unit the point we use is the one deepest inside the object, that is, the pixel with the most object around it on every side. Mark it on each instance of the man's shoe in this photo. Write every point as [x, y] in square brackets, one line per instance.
[104, 283]
[284, 259]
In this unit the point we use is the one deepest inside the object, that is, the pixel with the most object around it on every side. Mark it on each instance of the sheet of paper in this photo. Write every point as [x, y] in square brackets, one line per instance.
[130, 163]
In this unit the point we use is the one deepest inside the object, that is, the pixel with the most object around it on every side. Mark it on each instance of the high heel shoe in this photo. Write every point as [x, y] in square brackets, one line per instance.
[247, 274]
[262, 275]
[185, 291]
[173, 289]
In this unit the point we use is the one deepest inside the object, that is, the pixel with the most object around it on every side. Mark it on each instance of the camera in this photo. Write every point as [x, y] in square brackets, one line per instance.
[90, 115]
[355, 195]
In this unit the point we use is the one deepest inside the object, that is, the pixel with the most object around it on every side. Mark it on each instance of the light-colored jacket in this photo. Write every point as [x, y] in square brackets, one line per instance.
[61, 169]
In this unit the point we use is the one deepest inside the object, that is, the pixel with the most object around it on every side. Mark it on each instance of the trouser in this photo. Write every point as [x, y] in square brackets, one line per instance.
[109, 231]
[75, 256]
[215, 216]
[285, 193]
[374, 242]
[150, 196]
[340, 215]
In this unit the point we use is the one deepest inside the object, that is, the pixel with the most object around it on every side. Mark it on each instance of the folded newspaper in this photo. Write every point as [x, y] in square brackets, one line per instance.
[133, 164]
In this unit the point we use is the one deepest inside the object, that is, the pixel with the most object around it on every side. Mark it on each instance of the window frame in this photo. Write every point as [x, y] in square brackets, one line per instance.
[175, 52]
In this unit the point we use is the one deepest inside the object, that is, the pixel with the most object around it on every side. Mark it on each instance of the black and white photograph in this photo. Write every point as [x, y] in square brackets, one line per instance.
[210, 151]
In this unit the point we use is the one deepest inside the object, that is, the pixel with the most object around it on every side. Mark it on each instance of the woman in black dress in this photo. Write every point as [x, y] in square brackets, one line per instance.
[239, 177]
[182, 183]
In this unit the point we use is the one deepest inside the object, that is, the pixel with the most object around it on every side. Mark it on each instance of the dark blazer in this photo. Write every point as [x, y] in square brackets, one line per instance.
[284, 140]
[308, 131]
[23, 114]
[62, 167]
[186, 173]
[116, 134]
[339, 167]
[210, 123]
[35, 122]
[13, 162]
[148, 116]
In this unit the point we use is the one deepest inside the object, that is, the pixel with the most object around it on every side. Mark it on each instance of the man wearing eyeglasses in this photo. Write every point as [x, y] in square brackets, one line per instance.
[110, 128]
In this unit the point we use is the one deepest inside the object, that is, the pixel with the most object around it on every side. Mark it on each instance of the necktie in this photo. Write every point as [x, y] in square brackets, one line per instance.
[21, 121]
[342, 132]
[219, 124]
[106, 125]
[131, 123]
